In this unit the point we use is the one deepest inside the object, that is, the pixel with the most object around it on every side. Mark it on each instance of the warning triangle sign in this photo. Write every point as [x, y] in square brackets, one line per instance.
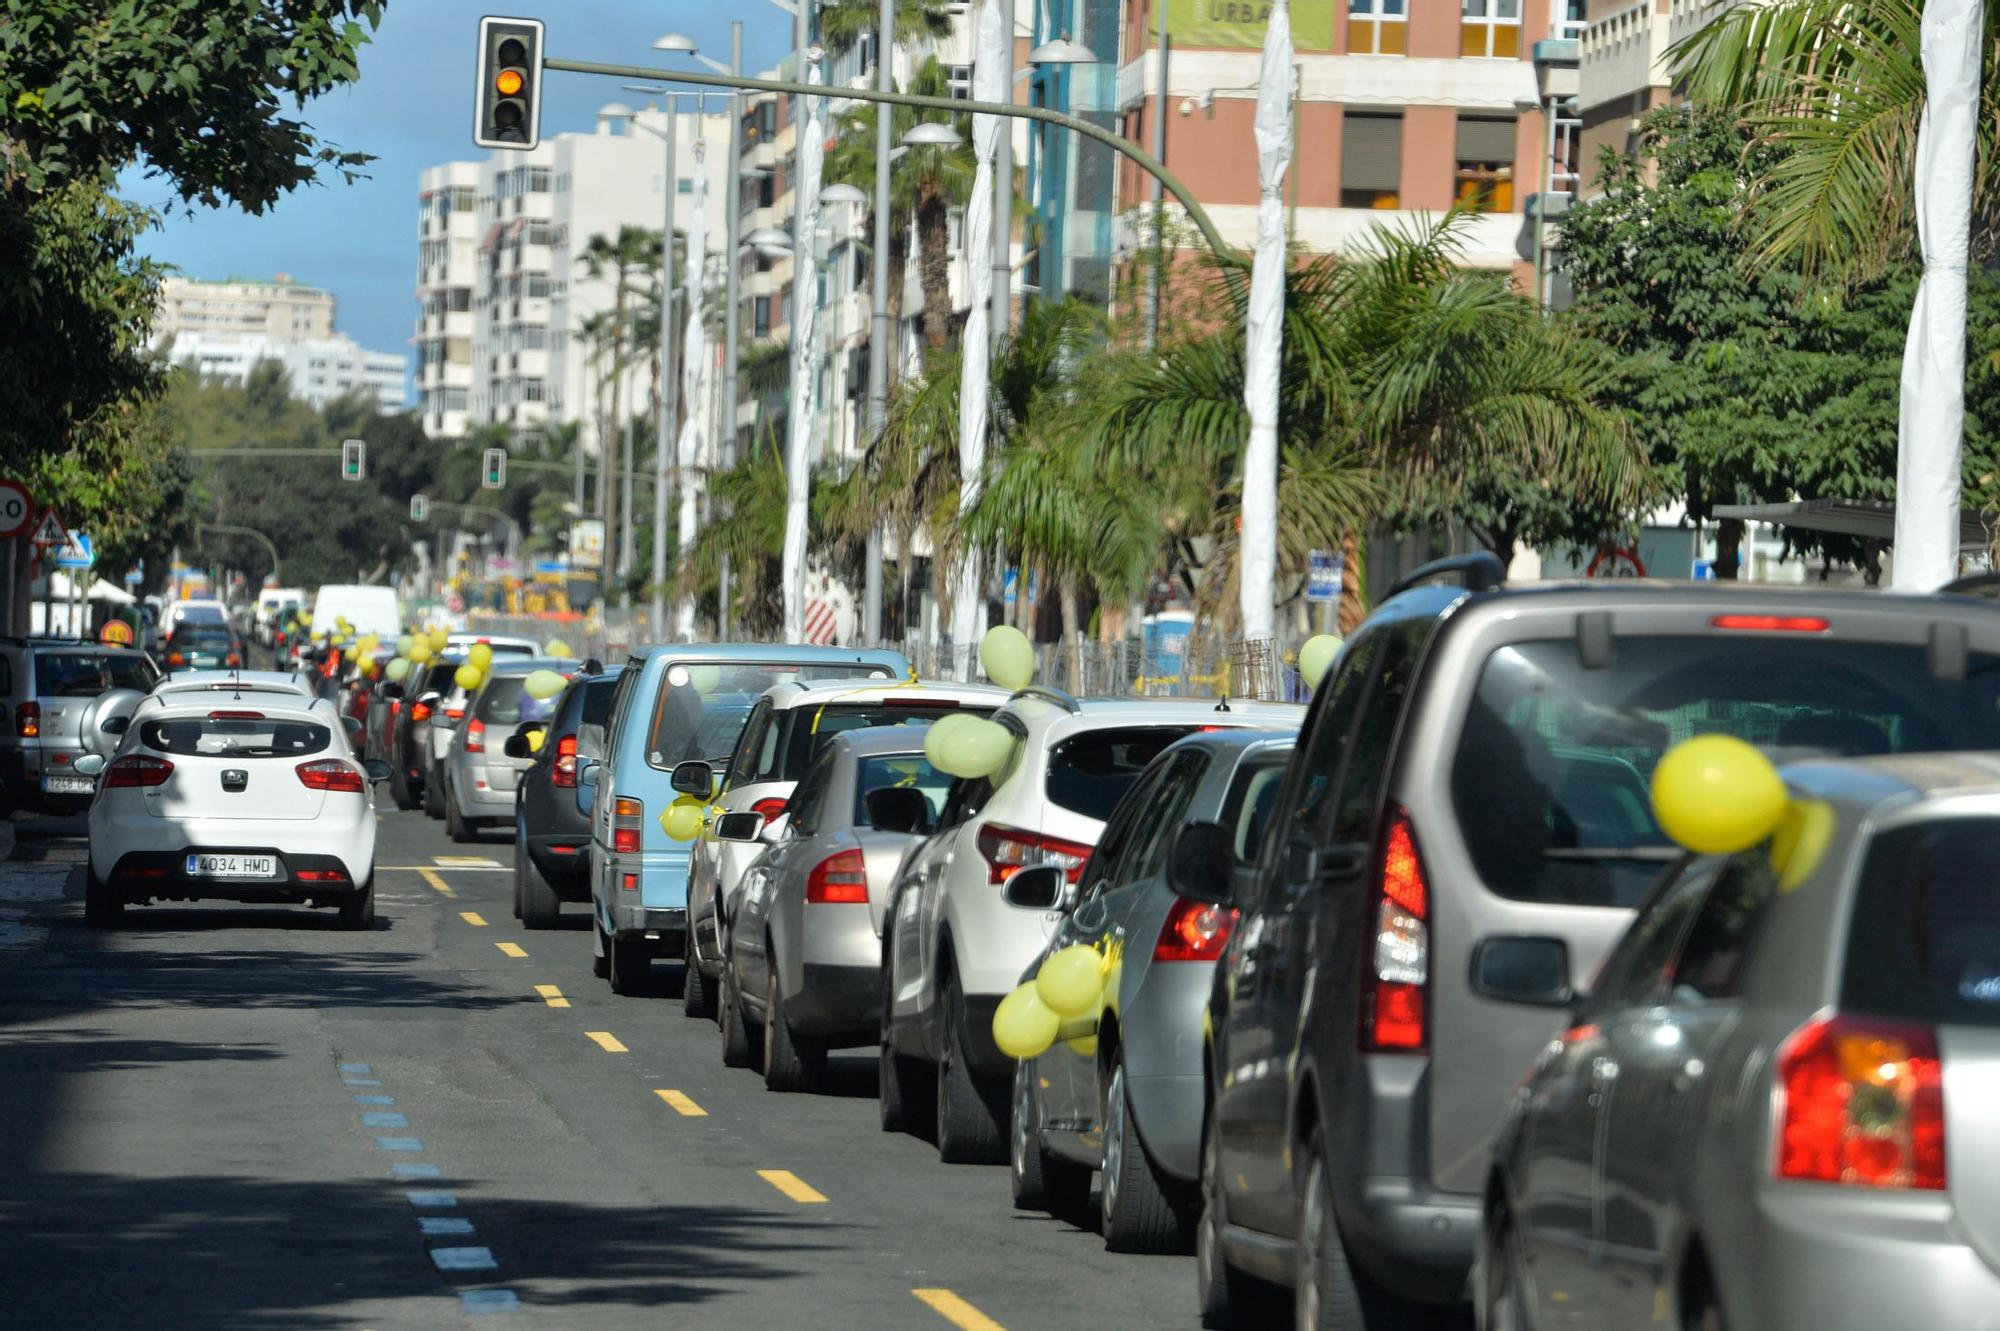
[49, 531]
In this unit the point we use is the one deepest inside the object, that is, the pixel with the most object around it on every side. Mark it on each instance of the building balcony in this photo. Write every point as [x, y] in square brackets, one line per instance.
[1623, 53]
[1557, 62]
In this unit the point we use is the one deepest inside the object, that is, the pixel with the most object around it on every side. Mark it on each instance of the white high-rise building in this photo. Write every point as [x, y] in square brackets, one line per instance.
[321, 369]
[447, 249]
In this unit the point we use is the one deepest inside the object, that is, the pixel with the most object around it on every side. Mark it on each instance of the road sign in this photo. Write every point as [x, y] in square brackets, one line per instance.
[1324, 570]
[77, 552]
[49, 529]
[116, 632]
[1615, 562]
[17, 510]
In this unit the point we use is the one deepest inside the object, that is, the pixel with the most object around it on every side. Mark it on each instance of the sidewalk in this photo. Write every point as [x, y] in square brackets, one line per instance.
[38, 874]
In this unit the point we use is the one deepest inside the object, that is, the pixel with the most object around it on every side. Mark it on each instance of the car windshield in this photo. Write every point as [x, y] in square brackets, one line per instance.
[203, 636]
[1090, 773]
[700, 711]
[87, 674]
[909, 771]
[1924, 942]
[1550, 781]
[801, 732]
[247, 736]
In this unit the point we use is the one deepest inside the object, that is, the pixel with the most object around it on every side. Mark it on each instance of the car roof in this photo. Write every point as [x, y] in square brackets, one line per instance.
[287, 709]
[772, 653]
[470, 638]
[1608, 593]
[508, 667]
[1239, 742]
[234, 681]
[1047, 707]
[792, 693]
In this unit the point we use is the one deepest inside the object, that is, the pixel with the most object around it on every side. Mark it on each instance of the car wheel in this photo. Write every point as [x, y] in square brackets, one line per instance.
[102, 908]
[541, 908]
[738, 1048]
[399, 788]
[1039, 1181]
[791, 1062]
[1226, 1296]
[520, 861]
[968, 1128]
[455, 825]
[600, 956]
[1704, 1310]
[434, 798]
[631, 967]
[357, 909]
[1502, 1297]
[1137, 1211]
[697, 995]
[1325, 1297]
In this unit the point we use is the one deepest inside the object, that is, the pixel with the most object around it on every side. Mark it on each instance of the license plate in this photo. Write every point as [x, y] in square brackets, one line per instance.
[68, 785]
[232, 866]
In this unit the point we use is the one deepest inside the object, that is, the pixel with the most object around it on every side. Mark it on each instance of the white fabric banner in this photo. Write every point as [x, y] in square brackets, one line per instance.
[805, 363]
[694, 375]
[1264, 337]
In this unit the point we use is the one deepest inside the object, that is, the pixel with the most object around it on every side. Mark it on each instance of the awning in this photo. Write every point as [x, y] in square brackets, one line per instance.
[59, 586]
[1872, 519]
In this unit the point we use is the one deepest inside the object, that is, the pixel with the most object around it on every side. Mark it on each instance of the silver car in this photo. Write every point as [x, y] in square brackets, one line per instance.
[805, 939]
[1775, 1108]
[478, 776]
[48, 689]
[1129, 1102]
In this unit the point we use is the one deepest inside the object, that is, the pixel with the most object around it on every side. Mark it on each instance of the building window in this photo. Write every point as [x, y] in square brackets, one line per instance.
[1485, 175]
[959, 78]
[1573, 21]
[461, 299]
[1490, 28]
[464, 199]
[538, 178]
[538, 287]
[761, 324]
[1377, 27]
[1371, 160]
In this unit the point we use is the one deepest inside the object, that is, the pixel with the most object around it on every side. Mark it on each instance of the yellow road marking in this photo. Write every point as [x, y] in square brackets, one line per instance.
[514, 950]
[608, 1042]
[476, 861]
[794, 1187]
[473, 918]
[554, 998]
[431, 876]
[683, 1106]
[956, 1310]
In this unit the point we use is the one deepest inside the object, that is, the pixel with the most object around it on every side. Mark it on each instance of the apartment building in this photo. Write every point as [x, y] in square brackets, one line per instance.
[447, 245]
[320, 369]
[277, 307]
[1624, 70]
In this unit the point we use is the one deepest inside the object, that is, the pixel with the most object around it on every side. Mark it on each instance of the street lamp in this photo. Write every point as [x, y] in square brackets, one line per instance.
[1062, 51]
[675, 44]
[933, 134]
[842, 194]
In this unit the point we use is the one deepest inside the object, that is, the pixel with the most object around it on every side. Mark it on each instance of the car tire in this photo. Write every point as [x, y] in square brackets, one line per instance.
[1138, 1211]
[434, 798]
[1502, 1297]
[600, 958]
[357, 909]
[102, 908]
[697, 993]
[1039, 1181]
[1225, 1296]
[541, 908]
[791, 1062]
[455, 825]
[520, 862]
[968, 1128]
[631, 967]
[739, 1047]
[1704, 1309]
[1326, 1297]
[399, 788]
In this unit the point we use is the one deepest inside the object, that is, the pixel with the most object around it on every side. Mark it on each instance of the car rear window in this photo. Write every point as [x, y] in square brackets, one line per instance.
[1551, 778]
[799, 733]
[909, 770]
[200, 614]
[1090, 773]
[700, 712]
[87, 674]
[1924, 941]
[505, 702]
[1246, 810]
[235, 737]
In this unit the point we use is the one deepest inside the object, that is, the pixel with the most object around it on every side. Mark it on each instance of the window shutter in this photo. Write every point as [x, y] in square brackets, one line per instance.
[1486, 140]
[1371, 151]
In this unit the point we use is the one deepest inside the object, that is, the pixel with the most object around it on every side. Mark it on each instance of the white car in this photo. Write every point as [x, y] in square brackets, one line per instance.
[953, 948]
[258, 799]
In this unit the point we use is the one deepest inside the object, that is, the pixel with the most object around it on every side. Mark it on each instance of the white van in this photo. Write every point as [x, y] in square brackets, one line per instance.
[368, 609]
[274, 604]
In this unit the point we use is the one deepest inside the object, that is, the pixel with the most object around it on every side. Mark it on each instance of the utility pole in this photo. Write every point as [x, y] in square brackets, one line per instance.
[1003, 200]
[1155, 286]
[732, 316]
[880, 336]
[663, 443]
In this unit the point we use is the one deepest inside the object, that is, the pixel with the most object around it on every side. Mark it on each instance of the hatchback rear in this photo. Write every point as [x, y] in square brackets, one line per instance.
[480, 777]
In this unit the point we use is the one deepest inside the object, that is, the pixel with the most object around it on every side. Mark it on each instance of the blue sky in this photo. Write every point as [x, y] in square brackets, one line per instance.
[413, 109]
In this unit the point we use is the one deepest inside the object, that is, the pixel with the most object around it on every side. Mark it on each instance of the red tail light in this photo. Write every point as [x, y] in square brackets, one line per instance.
[1007, 849]
[840, 879]
[336, 775]
[233, 659]
[768, 810]
[564, 772]
[137, 769]
[1772, 623]
[419, 711]
[236, 716]
[175, 658]
[1194, 931]
[454, 714]
[627, 830]
[320, 876]
[1861, 1102]
[28, 720]
[1393, 1017]
[475, 736]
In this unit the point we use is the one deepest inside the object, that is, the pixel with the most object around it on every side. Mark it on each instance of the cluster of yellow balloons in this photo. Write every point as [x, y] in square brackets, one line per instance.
[684, 819]
[1065, 1001]
[420, 647]
[971, 747]
[1716, 795]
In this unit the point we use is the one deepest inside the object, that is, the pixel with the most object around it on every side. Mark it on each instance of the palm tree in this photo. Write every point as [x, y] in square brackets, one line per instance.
[843, 23]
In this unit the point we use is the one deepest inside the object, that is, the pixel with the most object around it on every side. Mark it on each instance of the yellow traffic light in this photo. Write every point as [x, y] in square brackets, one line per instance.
[509, 82]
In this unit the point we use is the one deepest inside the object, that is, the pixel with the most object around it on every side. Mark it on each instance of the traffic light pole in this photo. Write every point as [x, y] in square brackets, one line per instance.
[513, 527]
[224, 529]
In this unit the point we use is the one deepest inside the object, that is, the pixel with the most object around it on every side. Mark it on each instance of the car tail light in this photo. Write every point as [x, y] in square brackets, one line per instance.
[1194, 931]
[454, 714]
[768, 810]
[1393, 1016]
[333, 774]
[564, 771]
[840, 879]
[137, 769]
[1010, 848]
[320, 876]
[234, 658]
[1772, 623]
[419, 711]
[236, 716]
[28, 720]
[175, 658]
[921, 702]
[626, 827]
[1861, 1102]
[139, 871]
[475, 736]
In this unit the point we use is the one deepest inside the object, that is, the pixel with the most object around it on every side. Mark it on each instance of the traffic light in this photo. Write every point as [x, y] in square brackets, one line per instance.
[353, 459]
[493, 476]
[420, 508]
[507, 98]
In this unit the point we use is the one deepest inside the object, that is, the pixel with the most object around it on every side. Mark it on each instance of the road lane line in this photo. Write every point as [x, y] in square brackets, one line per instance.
[357, 1069]
[683, 1106]
[473, 918]
[794, 1187]
[463, 1259]
[466, 862]
[398, 1144]
[608, 1042]
[431, 876]
[422, 1198]
[433, 1226]
[385, 1119]
[416, 1171]
[554, 998]
[956, 1310]
[514, 950]
[476, 1301]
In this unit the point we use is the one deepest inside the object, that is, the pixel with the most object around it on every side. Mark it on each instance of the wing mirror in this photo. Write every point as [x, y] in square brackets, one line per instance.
[88, 764]
[391, 689]
[1201, 864]
[899, 809]
[116, 725]
[739, 827]
[1530, 971]
[521, 743]
[1038, 887]
[588, 776]
[352, 724]
[694, 778]
[377, 769]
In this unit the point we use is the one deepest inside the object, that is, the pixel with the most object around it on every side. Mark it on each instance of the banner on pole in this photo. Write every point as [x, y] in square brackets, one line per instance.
[1240, 23]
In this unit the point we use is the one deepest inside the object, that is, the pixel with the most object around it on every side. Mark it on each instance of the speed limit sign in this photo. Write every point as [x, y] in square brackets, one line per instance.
[17, 510]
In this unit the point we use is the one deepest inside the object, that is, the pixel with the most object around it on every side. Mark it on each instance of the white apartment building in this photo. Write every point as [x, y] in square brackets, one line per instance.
[277, 308]
[321, 368]
[447, 244]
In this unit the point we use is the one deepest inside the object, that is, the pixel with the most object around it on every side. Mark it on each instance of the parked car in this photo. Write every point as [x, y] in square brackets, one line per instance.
[1129, 1103]
[46, 690]
[1475, 767]
[480, 776]
[673, 705]
[785, 729]
[803, 972]
[953, 947]
[196, 645]
[1774, 1108]
[252, 804]
[213, 613]
[551, 821]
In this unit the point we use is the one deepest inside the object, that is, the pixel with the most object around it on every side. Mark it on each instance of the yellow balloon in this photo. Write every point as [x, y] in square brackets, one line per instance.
[397, 668]
[368, 667]
[1007, 657]
[543, 684]
[1716, 795]
[1023, 1025]
[1316, 657]
[1800, 841]
[403, 644]
[967, 746]
[1072, 981]
[420, 651]
[684, 818]
[555, 647]
[439, 640]
[535, 740]
[705, 678]
[481, 655]
[369, 642]
[467, 676]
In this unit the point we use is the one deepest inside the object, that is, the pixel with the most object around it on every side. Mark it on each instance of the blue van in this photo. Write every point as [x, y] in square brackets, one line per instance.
[674, 704]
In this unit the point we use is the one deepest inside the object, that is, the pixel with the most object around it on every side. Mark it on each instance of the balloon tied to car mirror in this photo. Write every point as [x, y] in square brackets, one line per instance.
[1717, 795]
[1065, 1001]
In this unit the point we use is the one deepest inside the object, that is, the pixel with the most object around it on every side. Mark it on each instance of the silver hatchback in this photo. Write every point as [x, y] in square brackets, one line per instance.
[479, 778]
[1775, 1109]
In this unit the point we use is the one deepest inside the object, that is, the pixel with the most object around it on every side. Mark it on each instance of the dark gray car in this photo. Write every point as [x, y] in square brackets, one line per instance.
[551, 822]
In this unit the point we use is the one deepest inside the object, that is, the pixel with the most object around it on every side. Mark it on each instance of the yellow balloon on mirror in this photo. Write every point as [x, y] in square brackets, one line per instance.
[684, 818]
[1800, 841]
[1716, 795]
[1071, 981]
[467, 676]
[1023, 1025]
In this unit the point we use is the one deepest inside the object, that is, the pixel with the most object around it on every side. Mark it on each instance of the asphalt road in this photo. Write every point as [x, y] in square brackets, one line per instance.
[223, 1117]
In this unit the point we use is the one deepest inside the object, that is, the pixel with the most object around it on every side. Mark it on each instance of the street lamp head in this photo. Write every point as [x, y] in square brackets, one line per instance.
[933, 134]
[615, 111]
[842, 193]
[675, 43]
[1062, 51]
[768, 238]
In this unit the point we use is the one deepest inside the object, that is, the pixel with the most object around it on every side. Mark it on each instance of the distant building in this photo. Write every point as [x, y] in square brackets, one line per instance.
[277, 308]
[320, 369]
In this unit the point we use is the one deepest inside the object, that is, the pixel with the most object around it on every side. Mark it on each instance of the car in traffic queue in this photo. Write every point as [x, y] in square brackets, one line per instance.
[479, 775]
[784, 730]
[251, 800]
[365, 607]
[802, 975]
[674, 705]
[953, 947]
[202, 646]
[551, 822]
[1774, 1108]
[1127, 1102]
[436, 704]
[193, 611]
[48, 689]
[275, 606]
[1475, 770]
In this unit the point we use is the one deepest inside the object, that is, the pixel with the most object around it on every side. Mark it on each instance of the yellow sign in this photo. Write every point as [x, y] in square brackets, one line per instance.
[115, 633]
[1240, 23]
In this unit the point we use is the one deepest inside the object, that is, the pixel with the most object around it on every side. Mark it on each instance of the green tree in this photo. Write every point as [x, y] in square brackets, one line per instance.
[843, 23]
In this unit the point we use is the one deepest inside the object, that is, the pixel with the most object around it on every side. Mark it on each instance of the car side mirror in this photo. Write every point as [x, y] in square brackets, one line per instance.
[1530, 971]
[430, 700]
[378, 770]
[88, 764]
[516, 746]
[898, 809]
[739, 827]
[588, 776]
[352, 725]
[391, 689]
[116, 725]
[1201, 864]
[1037, 887]
[694, 778]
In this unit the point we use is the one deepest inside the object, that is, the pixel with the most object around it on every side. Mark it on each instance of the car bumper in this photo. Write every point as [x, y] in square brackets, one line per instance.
[656, 903]
[564, 862]
[1413, 1238]
[837, 1002]
[162, 875]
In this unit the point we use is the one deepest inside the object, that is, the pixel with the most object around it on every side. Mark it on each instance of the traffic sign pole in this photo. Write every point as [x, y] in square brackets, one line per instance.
[17, 514]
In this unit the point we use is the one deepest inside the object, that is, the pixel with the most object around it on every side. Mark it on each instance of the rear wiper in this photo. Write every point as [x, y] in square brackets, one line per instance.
[1615, 854]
